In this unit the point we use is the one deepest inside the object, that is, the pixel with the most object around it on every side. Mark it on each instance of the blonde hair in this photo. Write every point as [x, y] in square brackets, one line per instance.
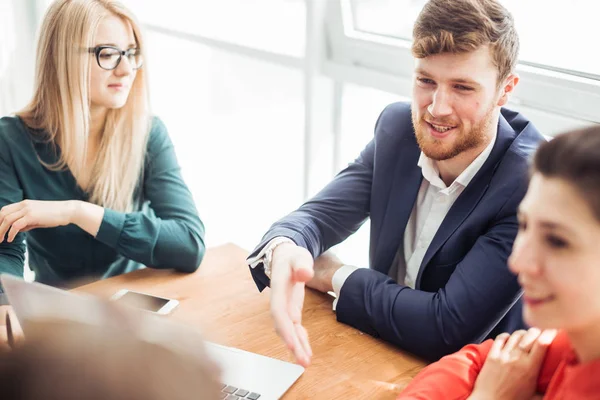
[61, 104]
[461, 26]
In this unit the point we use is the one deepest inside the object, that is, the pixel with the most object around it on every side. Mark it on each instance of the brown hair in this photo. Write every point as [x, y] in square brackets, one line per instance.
[462, 26]
[574, 157]
[63, 360]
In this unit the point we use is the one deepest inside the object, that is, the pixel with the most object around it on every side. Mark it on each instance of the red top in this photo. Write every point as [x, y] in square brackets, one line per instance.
[561, 375]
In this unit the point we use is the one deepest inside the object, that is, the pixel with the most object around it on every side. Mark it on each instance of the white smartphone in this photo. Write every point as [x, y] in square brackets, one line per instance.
[144, 301]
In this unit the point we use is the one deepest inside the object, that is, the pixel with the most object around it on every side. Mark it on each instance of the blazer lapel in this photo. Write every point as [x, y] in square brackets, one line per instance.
[401, 199]
[470, 197]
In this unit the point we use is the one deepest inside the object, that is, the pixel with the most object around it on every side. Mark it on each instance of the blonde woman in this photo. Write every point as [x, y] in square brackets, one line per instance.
[85, 171]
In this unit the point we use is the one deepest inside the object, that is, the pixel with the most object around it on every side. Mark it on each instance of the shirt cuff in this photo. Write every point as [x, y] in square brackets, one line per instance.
[111, 227]
[338, 280]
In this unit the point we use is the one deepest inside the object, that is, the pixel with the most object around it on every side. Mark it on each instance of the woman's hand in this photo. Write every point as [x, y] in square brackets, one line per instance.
[30, 214]
[513, 365]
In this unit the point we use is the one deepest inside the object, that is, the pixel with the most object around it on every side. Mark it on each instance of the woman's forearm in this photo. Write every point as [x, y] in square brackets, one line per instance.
[87, 216]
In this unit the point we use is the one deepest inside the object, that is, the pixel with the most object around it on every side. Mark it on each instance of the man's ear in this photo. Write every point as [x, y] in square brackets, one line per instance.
[507, 87]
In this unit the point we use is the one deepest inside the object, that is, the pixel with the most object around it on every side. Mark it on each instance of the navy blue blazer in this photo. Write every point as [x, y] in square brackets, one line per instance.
[464, 292]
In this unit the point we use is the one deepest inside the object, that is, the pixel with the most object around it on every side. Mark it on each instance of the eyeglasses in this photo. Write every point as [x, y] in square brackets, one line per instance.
[109, 57]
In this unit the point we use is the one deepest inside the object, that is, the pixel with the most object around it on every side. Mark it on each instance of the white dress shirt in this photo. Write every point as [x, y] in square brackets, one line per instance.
[433, 203]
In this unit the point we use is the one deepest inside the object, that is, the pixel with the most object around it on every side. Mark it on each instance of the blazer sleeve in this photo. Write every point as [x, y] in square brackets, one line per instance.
[173, 235]
[330, 217]
[434, 324]
[454, 376]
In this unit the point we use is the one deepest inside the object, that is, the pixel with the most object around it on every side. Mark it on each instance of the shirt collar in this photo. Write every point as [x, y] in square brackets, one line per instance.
[431, 172]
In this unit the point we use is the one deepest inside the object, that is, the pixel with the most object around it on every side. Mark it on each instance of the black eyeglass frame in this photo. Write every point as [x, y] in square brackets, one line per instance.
[96, 51]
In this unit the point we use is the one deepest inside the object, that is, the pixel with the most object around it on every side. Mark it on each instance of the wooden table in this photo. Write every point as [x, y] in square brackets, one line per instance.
[221, 298]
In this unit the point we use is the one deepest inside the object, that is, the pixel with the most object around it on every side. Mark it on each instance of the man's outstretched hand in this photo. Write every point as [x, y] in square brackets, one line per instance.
[291, 269]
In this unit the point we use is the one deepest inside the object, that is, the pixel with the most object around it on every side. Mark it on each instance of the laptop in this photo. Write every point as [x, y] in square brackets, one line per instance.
[245, 375]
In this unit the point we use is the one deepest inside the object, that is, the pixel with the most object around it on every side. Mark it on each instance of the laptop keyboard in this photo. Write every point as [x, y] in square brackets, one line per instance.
[229, 392]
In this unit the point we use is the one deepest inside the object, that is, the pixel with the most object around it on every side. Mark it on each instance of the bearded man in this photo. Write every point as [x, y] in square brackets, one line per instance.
[440, 182]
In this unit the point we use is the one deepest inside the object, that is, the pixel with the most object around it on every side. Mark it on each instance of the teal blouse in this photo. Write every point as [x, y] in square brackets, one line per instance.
[163, 231]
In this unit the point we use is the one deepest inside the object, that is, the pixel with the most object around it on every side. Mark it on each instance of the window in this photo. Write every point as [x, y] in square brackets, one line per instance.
[393, 18]
[361, 107]
[16, 56]
[555, 41]
[560, 72]
[237, 125]
[272, 25]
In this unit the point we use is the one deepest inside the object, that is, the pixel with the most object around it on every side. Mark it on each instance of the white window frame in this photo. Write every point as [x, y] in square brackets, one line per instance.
[387, 63]
[345, 55]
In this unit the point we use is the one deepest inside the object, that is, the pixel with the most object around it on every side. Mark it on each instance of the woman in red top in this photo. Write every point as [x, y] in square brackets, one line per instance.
[556, 256]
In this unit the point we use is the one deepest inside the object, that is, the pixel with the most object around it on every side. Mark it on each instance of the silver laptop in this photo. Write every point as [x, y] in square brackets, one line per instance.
[245, 375]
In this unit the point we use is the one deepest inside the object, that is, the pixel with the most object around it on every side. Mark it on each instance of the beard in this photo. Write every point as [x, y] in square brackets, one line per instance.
[440, 150]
